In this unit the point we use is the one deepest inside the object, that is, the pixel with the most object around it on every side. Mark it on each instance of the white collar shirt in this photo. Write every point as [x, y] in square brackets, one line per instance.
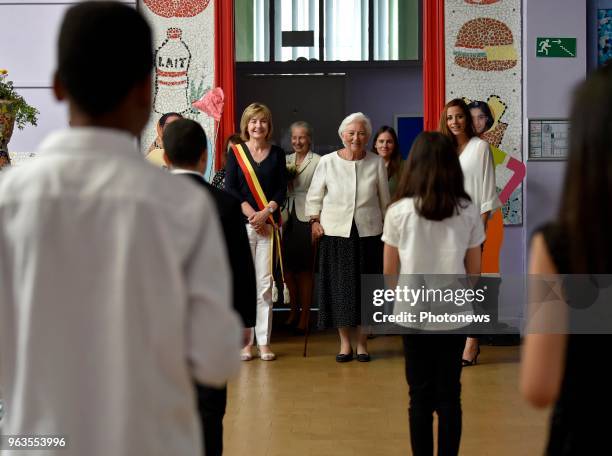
[185, 171]
[432, 254]
[114, 298]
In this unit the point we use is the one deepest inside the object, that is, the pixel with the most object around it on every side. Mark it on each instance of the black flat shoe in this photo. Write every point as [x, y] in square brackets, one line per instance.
[342, 358]
[363, 357]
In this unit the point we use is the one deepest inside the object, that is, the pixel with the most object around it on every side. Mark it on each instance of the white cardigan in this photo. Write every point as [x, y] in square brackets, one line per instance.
[342, 190]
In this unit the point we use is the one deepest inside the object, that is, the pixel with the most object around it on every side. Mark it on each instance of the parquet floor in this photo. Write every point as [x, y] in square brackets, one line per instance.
[298, 406]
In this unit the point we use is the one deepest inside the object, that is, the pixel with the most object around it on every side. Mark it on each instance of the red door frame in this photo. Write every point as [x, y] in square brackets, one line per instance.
[225, 70]
[434, 73]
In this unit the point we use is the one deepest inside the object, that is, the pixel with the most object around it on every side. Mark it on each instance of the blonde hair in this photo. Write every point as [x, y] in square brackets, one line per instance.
[251, 111]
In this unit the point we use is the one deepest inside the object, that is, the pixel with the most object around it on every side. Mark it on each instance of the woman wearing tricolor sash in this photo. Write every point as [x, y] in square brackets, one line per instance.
[256, 175]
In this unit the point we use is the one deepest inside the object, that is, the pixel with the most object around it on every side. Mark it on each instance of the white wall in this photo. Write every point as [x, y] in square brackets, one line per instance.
[28, 41]
[548, 87]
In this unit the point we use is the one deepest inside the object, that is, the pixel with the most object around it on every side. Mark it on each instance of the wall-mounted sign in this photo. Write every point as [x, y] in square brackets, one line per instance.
[548, 139]
[555, 47]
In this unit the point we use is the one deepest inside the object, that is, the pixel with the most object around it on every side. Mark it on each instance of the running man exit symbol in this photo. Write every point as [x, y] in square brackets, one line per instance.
[555, 47]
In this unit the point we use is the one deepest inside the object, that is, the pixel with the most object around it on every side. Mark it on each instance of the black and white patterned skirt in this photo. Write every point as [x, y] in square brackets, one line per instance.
[340, 263]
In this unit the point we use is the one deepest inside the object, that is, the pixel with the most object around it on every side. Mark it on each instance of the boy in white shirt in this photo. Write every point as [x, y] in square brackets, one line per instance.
[114, 289]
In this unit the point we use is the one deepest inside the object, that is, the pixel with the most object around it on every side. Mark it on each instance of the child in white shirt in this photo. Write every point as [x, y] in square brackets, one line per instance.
[433, 228]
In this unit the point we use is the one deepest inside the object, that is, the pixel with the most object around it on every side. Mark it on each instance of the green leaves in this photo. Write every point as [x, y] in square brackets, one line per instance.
[23, 112]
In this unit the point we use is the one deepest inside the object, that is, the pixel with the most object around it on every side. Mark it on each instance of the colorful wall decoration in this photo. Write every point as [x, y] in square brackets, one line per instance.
[481, 2]
[177, 8]
[483, 62]
[604, 36]
[184, 41]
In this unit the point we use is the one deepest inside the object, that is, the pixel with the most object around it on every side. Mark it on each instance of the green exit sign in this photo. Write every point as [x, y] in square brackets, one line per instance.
[556, 47]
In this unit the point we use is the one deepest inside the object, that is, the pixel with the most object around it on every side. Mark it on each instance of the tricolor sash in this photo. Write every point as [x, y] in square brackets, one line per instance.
[251, 178]
[262, 203]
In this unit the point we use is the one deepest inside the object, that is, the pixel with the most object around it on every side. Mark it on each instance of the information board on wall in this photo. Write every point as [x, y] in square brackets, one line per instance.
[548, 139]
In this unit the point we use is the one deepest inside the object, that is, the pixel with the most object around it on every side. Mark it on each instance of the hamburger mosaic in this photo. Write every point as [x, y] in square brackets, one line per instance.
[485, 44]
[177, 8]
[481, 2]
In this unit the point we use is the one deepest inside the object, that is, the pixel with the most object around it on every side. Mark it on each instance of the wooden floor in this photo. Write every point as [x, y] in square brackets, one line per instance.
[314, 406]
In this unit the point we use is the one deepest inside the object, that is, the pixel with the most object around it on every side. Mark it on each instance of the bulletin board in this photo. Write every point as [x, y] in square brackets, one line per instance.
[548, 139]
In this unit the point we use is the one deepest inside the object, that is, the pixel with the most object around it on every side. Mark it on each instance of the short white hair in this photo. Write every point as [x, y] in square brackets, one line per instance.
[356, 117]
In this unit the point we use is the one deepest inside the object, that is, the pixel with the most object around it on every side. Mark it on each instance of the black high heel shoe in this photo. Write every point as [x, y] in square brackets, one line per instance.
[466, 363]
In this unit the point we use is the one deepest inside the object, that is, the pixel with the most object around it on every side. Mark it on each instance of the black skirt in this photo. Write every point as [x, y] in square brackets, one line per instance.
[340, 263]
[298, 253]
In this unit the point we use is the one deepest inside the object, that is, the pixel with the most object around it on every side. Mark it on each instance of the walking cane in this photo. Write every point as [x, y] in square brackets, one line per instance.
[313, 268]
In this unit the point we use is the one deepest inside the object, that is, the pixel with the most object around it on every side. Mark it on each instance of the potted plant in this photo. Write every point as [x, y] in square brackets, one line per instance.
[14, 110]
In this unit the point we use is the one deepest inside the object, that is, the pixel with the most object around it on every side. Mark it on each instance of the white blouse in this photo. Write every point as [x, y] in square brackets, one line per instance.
[432, 254]
[343, 190]
[429, 246]
[479, 175]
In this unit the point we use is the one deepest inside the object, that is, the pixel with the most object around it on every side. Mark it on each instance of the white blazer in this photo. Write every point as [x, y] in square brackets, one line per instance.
[296, 193]
[342, 191]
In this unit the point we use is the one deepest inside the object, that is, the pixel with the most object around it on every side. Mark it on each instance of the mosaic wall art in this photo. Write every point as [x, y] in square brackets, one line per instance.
[177, 8]
[483, 62]
[604, 36]
[485, 44]
[184, 41]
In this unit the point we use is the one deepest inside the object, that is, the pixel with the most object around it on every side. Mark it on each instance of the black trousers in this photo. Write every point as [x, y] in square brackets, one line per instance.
[211, 407]
[433, 372]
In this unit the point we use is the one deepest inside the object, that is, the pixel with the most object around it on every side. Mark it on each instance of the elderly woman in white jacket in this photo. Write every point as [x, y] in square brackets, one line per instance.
[346, 204]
